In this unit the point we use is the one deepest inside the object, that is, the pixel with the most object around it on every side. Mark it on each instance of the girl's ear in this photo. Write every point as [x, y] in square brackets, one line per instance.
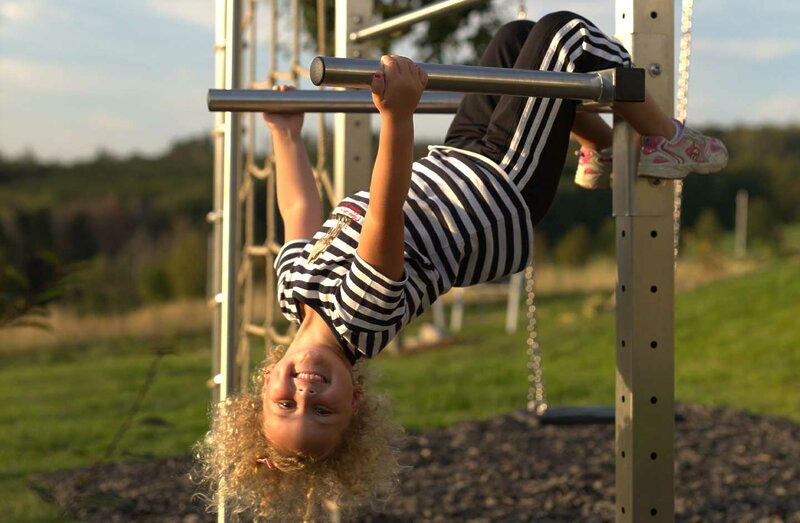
[358, 391]
[266, 373]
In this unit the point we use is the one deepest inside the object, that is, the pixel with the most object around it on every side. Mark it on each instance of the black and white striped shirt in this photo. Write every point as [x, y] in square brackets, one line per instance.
[465, 223]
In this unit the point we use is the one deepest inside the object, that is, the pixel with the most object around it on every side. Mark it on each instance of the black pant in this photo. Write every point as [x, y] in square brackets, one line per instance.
[528, 137]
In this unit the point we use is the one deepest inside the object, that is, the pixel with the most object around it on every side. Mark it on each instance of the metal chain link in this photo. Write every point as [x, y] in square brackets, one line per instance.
[680, 112]
[537, 399]
[522, 13]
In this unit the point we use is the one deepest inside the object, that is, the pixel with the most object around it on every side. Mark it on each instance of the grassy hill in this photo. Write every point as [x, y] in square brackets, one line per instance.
[131, 222]
[177, 182]
[736, 344]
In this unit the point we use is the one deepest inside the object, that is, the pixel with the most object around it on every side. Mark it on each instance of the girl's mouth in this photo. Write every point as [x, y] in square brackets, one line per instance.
[310, 376]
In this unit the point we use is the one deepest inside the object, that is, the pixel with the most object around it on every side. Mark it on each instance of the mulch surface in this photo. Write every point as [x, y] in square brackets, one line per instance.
[730, 466]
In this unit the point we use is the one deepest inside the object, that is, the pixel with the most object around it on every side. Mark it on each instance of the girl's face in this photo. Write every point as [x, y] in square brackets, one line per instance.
[308, 399]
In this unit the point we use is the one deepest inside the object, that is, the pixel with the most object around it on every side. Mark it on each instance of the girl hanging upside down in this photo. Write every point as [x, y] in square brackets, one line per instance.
[462, 215]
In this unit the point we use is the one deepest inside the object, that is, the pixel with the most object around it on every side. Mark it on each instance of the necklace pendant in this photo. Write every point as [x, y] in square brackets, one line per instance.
[322, 244]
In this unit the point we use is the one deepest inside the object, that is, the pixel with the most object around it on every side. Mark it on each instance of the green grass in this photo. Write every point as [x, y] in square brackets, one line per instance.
[736, 344]
[486, 373]
[62, 412]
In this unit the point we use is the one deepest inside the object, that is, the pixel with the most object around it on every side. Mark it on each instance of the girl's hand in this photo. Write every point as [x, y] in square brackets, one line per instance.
[397, 88]
[291, 123]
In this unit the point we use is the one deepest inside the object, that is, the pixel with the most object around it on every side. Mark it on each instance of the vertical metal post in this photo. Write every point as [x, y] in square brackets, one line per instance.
[352, 139]
[231, 165]
[645, 420]
[232, 159]
[352, 133]
[245, 239]
[215, 216]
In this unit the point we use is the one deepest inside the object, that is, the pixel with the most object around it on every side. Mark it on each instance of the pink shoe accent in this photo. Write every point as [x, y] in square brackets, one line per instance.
[650, 144]
[690, 152]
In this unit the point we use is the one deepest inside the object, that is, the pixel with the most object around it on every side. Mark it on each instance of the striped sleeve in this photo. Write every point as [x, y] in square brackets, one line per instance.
[368, 301]
[284, 264]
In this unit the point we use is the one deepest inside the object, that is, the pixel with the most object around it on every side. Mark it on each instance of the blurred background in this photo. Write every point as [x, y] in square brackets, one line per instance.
[106, 179]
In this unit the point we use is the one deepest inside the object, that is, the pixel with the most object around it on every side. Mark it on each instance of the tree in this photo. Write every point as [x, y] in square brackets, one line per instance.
[706, 238]
[154, 282]
[444, 41]
[763, 226]
[31, 275]
[186, 264]
[605, 238]
[22, 298]
[575, 247]
[79, 240]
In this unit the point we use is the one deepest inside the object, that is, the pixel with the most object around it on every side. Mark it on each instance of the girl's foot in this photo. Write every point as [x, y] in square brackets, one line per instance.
[594, 168]
[690, 151]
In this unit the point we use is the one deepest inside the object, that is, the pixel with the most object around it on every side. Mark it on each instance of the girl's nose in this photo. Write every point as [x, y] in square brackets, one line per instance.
[305, 389]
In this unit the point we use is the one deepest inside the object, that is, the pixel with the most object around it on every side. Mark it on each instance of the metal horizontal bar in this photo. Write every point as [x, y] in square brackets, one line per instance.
[316, 101]
[599, 86]
[420, 15]
[594, 107]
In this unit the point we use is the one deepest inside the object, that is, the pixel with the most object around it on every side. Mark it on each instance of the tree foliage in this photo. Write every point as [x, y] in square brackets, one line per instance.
[575, 246]
[455, 38]
[136, 225]
[26, 291]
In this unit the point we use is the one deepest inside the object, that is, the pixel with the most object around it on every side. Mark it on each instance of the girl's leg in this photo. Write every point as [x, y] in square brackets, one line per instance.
[528, 137]
[594, 156]
[468, 127]
[592, 132]
[470, 122]
[647, 118]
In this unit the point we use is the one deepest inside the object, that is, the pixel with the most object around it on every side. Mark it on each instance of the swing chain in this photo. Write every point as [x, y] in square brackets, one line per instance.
[680, 112]
[537, 401]
[522, 12]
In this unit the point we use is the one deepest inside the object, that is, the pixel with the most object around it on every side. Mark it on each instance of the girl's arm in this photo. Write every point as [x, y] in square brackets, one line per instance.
[396, 92]
[298, 197]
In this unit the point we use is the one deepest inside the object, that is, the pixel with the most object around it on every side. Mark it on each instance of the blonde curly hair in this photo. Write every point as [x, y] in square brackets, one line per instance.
[230, 459]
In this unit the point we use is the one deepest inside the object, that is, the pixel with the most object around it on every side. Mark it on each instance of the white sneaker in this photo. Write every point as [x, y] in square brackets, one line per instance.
[689, 152]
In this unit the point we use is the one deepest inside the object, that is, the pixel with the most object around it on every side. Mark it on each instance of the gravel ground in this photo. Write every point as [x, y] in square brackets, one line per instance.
[731, 467]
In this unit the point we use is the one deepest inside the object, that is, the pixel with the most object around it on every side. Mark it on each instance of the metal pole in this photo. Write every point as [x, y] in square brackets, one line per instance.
[645, 415]
[214, 217]
[352, 136]
[231, 159]
[408, 19]
[315, 101]
[620, 84]
[229, 206]
[328, 101]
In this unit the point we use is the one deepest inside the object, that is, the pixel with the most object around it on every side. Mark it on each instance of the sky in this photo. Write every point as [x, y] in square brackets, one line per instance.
[130, 76]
